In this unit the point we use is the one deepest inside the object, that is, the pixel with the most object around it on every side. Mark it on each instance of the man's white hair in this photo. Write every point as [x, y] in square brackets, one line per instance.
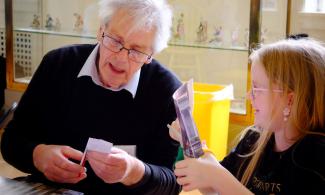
[147, 14]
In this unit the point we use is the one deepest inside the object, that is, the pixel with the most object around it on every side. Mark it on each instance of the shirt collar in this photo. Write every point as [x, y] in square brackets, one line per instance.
[89, 69]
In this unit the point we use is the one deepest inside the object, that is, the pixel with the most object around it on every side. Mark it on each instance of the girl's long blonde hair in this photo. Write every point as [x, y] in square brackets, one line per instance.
[296, 66]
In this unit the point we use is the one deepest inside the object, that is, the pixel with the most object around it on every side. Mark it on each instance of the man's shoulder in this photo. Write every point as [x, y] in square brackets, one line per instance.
[157, 75]
[65, 61]
[155, 67]
[77, 49]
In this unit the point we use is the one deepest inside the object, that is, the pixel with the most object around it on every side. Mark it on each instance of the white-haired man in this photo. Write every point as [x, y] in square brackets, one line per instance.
[114, 91]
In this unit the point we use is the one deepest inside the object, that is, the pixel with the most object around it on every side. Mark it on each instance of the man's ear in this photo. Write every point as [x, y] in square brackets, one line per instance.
[100, 33]
[149, 60]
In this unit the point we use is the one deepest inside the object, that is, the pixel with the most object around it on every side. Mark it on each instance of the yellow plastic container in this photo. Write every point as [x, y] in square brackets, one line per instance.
[212, 118]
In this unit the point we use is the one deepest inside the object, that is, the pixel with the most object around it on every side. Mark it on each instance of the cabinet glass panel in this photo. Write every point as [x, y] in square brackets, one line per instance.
[209, 43]
[42, 25]
[209, 38]
[308, 17]
[273, 25]
[2, 29]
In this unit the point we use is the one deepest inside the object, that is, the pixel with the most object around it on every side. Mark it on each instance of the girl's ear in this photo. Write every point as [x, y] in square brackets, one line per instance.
[290, 98]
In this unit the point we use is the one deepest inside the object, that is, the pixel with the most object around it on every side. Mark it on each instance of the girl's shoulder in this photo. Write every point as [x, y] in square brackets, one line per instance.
[309, 155]
[247, 141]
[311, 145]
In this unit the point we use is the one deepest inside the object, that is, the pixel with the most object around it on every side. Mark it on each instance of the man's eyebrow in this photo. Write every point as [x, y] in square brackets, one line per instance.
[135, 46]
[115, 36]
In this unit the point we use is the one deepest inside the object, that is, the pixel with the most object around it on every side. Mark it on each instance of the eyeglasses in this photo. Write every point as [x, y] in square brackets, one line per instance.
[115, 46]
[254, 91]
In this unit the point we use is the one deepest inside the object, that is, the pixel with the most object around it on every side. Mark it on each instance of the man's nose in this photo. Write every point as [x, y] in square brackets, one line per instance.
[123, 54]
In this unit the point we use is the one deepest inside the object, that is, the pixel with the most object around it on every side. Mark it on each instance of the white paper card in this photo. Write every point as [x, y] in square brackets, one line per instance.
[97, 145]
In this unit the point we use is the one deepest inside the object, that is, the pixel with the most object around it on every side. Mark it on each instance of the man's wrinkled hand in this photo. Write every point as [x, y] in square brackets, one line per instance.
[53, 161]
[117, 166]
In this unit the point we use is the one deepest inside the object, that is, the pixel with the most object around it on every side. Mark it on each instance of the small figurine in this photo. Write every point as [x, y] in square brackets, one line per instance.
[217, 36]
[246, 38]
[35, 23]
[263, 35]
[57, 25]
[49, 22]
[78, 25]
[235, 37]
[180, 32]
[202, 31]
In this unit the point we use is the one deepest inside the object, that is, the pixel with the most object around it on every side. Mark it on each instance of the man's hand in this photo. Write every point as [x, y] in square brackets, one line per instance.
[117, 166]
[53, 161]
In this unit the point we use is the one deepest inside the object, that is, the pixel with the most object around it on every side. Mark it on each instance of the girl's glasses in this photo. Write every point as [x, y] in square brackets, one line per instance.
[254, 91]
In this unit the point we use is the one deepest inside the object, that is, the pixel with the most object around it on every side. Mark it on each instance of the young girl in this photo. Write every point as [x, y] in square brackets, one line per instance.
[284, 152]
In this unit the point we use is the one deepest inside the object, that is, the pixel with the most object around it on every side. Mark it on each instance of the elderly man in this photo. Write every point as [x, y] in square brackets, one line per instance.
[114, 91]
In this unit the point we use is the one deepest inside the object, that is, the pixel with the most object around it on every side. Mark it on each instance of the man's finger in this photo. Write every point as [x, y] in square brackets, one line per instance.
[71, 153]
[67, 165]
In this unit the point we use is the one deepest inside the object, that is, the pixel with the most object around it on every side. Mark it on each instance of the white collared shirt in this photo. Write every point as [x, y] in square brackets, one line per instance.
[89, 69]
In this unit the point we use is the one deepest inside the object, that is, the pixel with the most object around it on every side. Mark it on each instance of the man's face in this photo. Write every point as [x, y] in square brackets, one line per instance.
[116, 68]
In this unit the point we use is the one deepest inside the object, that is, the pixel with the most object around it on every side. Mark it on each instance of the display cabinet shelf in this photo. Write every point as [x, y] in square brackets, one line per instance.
[207, 46]
[89, 35]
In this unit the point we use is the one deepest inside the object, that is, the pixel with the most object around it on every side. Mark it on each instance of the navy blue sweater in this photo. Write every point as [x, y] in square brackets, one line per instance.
[60, 108]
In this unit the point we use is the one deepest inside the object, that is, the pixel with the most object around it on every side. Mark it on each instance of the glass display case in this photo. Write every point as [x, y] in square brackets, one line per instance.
[210, 39]
[210, 44]
[2, 29]
[42, 25]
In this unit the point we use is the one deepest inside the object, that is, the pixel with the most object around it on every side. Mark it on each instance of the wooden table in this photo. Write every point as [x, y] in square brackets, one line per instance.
[13, 187]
